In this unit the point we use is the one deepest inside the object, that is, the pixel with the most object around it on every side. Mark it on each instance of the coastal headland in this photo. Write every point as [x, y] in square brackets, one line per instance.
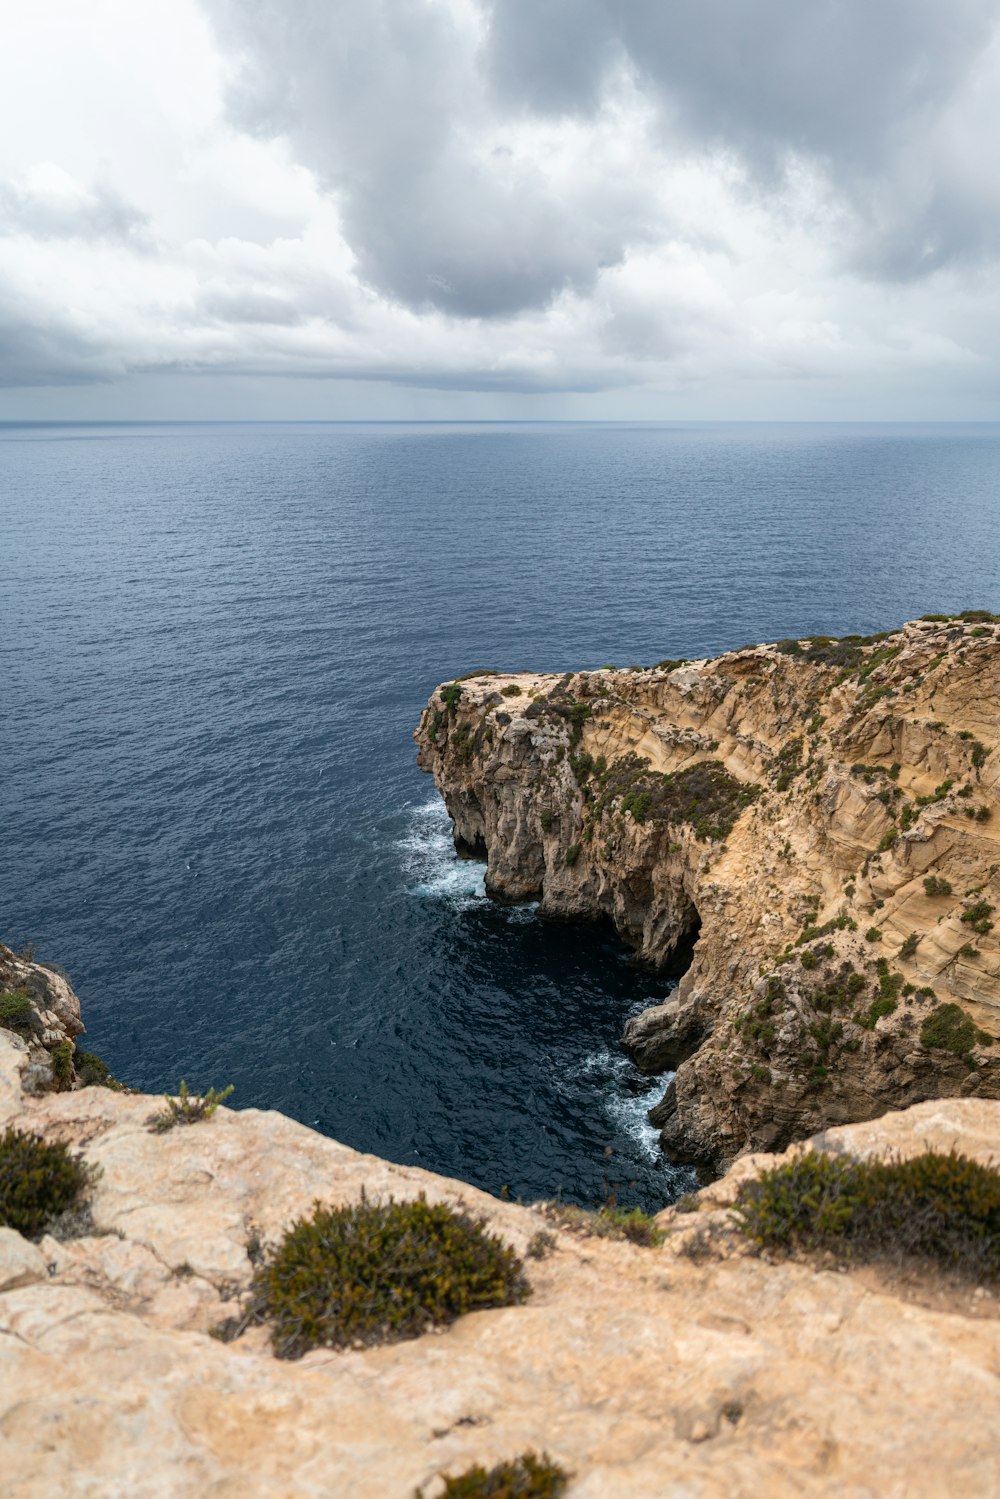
[806, 832]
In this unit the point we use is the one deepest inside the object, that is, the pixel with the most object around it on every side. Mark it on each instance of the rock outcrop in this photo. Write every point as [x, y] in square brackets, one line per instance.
[695, 1370]
[808, 830]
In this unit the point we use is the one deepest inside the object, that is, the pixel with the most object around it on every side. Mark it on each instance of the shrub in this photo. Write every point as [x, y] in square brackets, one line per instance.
[572, 854]
[451, 696]
[187, 1108]
[910, 945]
[16, 1009]
[381, 1272]
[704, 795]
[949, 1028]
[934, 885]
[979, 753]
[873, 934]
[94, 1072]
[977, 916]
[608, 1222]
[547, 820]
[38, 1181]
[541, 1245]
[511, 690]
[526, 1477]
[62, 1066]
[944, 1209]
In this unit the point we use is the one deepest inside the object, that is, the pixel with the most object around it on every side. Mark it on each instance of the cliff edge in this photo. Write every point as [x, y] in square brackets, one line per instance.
[807, 831]
[694, 1369]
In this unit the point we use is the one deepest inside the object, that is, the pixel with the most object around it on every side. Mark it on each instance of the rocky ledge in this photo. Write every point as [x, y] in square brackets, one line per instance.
[807, 831]
[694, 1369]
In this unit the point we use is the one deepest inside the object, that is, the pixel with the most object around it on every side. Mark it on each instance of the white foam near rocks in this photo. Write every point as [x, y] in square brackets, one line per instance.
[432, 867]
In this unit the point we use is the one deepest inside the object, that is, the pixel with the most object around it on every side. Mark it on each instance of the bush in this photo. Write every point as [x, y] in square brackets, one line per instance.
[944, 1209]
[949, 1028]
[38, 1181]
[910, 945]
[704, 795]
[187, 1108]
[572, 854]
[94, 1072]
[511, 690]
[934, 885]
[62, 1066]
[873, 934]
[608, 1222]
[527, 1477]
[16, 1009]
[977, 916]
[381, 1272]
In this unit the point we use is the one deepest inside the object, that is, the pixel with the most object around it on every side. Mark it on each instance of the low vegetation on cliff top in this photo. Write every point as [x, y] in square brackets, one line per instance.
[704, 795]
[381, 1272]
[942, 1210]
[39, 1181]
[526, 1477]
[187, 1108]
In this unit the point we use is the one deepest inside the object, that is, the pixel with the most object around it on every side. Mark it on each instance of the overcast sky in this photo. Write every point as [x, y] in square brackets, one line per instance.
[539, 208]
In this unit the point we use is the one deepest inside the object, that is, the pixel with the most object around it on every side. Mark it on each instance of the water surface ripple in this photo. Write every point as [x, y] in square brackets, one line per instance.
[215, 642]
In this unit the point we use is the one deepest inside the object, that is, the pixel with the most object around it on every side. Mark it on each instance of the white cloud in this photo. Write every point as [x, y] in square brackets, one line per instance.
[580, 197]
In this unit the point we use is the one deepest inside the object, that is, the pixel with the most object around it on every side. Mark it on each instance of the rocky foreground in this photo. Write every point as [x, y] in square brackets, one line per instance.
[693, 1370]
[809, 831]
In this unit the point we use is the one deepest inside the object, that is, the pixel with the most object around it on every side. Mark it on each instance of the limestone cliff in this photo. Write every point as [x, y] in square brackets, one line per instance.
[695, 1370]
[809, 829]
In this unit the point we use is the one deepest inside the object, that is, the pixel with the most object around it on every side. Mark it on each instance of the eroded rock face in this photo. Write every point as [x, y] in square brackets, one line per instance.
[666, 1373]
[820, 818]
[43, 1013]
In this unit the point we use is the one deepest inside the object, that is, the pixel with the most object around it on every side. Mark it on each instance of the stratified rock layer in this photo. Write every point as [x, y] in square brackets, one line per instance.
[819, 819]
[691, 1371]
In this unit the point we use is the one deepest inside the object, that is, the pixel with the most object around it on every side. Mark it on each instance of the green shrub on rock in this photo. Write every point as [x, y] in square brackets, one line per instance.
[527, 1477]
[943, 1209]
[16, 1009]
[38, 1181]
[950, 1028]
[187, 1108]
[381, 1272]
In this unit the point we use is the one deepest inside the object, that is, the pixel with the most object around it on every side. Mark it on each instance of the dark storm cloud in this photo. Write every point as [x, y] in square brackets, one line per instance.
[866, 91]
[413, 124]
[386, 103]
[836, 77]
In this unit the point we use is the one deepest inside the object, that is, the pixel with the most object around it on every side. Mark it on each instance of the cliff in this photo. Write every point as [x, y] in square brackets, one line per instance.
[808, 831]
[695, 1369]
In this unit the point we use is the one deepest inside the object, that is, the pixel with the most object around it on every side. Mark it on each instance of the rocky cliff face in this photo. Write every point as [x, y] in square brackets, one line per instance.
[810, 830]
[694, 1370]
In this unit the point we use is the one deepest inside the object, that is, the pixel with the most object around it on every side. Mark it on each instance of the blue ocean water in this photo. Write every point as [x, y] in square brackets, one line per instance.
[215, 642]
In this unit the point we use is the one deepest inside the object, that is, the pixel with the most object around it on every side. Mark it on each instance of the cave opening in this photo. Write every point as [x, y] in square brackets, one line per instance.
[681, 955]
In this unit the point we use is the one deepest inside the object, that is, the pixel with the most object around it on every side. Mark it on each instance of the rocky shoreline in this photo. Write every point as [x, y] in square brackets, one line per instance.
[808, 830]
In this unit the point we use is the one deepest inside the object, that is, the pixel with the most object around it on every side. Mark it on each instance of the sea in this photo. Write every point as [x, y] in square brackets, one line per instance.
[215, 642]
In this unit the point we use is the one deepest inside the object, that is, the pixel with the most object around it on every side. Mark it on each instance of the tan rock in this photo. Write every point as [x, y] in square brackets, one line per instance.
[844, 740]
[646, 1372]
[21, 1262]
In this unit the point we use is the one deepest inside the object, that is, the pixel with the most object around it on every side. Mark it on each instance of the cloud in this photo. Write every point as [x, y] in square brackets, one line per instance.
[504, 196]
[416, 116]
[47, 203]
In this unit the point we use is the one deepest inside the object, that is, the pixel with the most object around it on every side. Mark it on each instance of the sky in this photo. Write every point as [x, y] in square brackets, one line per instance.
[499, 209]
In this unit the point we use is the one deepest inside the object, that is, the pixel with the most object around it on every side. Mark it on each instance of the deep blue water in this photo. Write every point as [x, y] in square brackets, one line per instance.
[215, 642]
